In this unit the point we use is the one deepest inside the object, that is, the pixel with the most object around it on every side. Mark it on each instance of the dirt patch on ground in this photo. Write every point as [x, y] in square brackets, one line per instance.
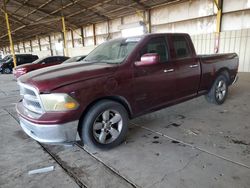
[20, 134]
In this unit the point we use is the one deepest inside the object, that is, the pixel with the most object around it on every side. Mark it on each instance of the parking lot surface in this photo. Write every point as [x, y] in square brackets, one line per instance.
[194, 144]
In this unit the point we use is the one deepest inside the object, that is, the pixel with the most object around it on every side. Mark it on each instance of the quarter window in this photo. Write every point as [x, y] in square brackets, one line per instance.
[50, 60]
[181, 47]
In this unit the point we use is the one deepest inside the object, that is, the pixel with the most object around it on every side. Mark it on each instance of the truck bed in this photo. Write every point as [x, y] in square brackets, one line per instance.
[216, 63]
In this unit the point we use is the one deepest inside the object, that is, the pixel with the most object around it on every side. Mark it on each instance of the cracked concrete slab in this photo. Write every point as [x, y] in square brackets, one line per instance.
[153, 161]
[19, 154]
[86, 168]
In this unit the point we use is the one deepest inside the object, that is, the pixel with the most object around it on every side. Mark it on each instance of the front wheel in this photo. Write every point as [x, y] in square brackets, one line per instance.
[105, 125]
[219, 90]
[6, 70]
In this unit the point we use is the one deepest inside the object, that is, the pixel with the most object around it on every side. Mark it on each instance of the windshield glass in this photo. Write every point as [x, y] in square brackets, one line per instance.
[114, 51]
[6, 58]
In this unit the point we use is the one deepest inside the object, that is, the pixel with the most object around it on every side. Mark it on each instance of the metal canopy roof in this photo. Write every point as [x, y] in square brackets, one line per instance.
[30, 18]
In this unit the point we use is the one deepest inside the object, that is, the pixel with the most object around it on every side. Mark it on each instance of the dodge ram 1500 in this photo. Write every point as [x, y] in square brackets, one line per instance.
[119, 80]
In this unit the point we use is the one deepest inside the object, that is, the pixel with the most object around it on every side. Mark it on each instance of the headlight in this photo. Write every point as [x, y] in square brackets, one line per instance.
[58, 102]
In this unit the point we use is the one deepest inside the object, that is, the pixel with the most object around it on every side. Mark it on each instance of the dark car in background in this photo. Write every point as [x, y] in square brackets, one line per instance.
[8, 65]
[5, 58]
[38, 64]
[75, 59]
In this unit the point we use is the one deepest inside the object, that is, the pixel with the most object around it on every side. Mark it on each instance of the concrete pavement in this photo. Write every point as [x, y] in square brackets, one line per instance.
[193, 144]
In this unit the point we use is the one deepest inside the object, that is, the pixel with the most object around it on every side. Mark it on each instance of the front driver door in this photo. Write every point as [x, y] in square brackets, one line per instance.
[154, 85]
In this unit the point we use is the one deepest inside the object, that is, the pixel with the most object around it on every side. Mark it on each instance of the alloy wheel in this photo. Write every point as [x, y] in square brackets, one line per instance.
[107, 126]
[7, 71]
[220, 91]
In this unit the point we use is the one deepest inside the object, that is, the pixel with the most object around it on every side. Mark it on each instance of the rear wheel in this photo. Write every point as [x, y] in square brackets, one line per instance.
[105, 125]
[219, 90]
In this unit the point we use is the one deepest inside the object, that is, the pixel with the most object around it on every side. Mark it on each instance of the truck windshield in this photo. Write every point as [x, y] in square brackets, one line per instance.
[6, 58]
[114, 51]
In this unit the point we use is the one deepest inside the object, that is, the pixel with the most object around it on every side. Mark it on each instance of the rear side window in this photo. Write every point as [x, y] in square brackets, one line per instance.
[24, 59]
[50, 60]
[20, 60]
[181, 47]
[34, 58]
[61, 59]
[27, 59]
[157, 45]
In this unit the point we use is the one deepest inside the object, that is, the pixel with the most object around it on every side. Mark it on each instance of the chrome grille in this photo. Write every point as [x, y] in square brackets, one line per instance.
[31, 99]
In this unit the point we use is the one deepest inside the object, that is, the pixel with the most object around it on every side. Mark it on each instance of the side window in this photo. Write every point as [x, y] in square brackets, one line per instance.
[50, 60]
[61, 59]
[27, 59]
[20, 60]
[34, 58]
[157, 45]
[181, 47]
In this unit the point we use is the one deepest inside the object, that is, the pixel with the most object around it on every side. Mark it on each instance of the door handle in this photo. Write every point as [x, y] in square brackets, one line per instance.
[168, 70]
[193, 66]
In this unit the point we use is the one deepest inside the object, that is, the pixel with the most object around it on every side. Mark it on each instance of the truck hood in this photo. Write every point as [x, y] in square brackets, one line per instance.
[50, 78]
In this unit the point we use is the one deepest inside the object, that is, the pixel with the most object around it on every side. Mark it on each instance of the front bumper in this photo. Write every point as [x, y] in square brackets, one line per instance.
[50, 134]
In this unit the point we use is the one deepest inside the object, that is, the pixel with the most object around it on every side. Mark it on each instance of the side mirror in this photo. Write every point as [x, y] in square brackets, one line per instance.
[148, 59]
[43, 63]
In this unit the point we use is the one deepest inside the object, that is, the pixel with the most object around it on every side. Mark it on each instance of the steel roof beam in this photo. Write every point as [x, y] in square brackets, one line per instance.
[89, 8]
[95, 12]
[139, 3]
[35, 9]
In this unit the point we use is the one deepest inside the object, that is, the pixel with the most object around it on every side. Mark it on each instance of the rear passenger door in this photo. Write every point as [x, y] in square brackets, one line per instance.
[188, 72]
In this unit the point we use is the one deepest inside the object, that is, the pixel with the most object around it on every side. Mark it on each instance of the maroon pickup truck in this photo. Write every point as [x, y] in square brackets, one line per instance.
[119, 80]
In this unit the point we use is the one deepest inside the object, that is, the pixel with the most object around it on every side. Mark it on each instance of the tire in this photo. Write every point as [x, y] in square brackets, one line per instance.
[6, 71]
[105, 125]
[218, 92]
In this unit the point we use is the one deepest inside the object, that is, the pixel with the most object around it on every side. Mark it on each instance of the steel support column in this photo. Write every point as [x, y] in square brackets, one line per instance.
[64, 37]
[50, 46]
[82, 36]
[9, 34]
[39, 44]
[94, 34]
[18, 49]
[218, 4]
[31, 47]
[24, 49]
[149, 23]
[72, 39]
